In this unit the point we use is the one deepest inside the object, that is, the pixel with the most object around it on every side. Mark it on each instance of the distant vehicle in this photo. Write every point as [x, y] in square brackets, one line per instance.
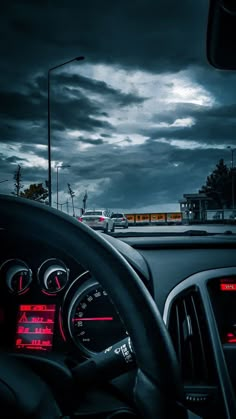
[98, 220]
[120, 220]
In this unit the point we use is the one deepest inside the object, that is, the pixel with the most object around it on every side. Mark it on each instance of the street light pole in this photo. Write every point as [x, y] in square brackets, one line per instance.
[49, 127]
[62, 166]
[232, 169]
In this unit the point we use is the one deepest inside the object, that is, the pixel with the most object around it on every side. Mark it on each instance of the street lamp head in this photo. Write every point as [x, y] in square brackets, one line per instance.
[79, 58]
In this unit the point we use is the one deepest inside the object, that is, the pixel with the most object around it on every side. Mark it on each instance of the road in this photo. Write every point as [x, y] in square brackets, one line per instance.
[213, 228]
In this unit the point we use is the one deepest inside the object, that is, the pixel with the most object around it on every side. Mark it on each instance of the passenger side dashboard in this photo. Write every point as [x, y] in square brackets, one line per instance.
[194, 287]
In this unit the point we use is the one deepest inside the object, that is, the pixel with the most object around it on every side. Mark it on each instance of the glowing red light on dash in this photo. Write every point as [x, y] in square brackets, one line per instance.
[37, 307]
[93, 319]
[227, 286]
[230, 338]
[37, 320]
[61, 327]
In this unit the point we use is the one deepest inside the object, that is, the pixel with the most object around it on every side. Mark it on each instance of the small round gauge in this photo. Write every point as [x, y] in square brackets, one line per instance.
[18, 275]
[53, 276]
[93, 321]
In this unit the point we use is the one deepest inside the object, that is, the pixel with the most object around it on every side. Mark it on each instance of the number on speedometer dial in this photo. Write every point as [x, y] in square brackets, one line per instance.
[94, 323]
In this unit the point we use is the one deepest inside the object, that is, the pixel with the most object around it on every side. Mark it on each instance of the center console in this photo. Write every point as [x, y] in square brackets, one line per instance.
[222, 292]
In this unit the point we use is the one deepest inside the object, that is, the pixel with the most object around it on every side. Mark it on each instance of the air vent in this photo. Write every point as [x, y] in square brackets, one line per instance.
[189, 332]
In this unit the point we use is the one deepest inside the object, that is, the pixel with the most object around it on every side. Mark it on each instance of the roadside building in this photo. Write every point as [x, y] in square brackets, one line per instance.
[194, 206]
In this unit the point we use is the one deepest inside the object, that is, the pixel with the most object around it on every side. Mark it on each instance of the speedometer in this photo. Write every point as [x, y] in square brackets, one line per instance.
[93, 321]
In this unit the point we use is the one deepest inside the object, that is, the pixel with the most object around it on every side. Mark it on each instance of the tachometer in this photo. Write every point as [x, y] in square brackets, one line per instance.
[93, 321]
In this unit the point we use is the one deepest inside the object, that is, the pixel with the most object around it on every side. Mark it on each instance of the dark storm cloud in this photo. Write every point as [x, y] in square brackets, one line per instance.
[160, 36]
[220, 84]
[82, 117]
[147, 34]
[14, 160]
[33, 105]
[97, 141]
[100, 87]
[16, 108]
[105, 135]
[8, 165]
[30, 148]
[16, 105]
[212, 124]
[142, 182]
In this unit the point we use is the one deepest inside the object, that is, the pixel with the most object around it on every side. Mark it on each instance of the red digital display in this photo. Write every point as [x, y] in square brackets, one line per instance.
[230, 338]
[228, 285]
[35, 327]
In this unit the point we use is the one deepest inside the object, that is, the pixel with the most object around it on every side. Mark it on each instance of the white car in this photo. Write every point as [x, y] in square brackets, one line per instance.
[98, 220]
[120, 220]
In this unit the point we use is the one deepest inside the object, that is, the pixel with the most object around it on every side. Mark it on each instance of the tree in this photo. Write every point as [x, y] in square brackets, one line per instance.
[85, 200]
[17, 178]
[218, 186]
[36, 192]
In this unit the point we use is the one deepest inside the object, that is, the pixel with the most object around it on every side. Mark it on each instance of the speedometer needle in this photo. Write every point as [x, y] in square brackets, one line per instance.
[93, 319]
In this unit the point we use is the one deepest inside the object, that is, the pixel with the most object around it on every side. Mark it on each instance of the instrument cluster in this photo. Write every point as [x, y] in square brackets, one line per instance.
[49, 307]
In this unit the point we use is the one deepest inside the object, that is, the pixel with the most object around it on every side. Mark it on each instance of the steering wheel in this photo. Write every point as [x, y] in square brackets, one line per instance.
[158, 390]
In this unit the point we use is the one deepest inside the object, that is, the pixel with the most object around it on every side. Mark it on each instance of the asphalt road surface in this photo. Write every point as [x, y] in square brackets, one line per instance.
[213, 228]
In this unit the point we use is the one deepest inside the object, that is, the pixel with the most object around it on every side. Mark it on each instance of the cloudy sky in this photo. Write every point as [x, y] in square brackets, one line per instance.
[141, 121]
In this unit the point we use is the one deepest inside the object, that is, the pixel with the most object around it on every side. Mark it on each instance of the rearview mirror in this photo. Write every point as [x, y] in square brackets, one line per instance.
[221, 34]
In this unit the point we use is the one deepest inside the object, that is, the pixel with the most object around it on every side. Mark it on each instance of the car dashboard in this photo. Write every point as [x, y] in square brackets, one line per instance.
[51, 308]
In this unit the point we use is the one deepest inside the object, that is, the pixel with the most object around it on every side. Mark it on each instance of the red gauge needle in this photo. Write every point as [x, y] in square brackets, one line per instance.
[20, 283]
[57, 282]
[93, 319]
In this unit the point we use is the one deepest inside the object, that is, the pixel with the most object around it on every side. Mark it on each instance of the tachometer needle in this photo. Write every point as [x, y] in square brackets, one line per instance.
[93, 319]
[57, 282]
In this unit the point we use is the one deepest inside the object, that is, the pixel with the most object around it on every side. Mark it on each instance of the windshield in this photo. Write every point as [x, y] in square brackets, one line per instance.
[114, 105]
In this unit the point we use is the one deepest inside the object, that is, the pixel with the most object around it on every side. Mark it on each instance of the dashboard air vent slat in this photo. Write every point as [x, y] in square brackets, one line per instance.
[188, 328]
[200, 340]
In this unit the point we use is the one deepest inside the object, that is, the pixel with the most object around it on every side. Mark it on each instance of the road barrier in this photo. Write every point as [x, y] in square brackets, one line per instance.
[154, 218]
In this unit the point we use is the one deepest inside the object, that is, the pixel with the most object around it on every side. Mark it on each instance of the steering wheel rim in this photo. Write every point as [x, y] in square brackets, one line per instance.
[158, 388]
